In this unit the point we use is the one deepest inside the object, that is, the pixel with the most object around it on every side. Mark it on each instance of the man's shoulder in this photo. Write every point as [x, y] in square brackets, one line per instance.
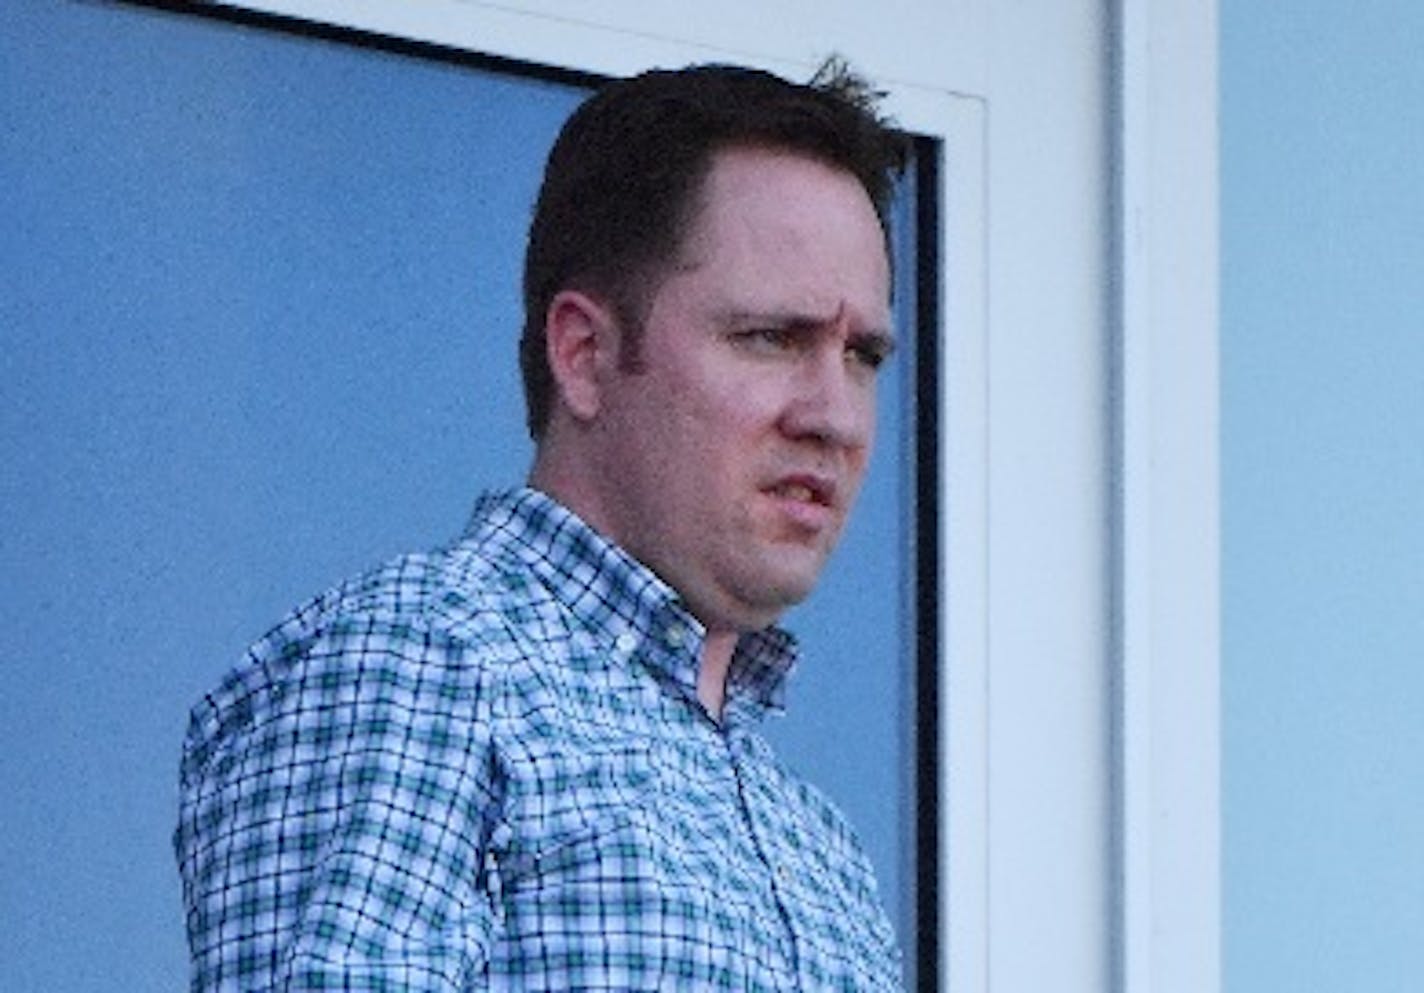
[442, 623]
[454, 607]
[466, 595]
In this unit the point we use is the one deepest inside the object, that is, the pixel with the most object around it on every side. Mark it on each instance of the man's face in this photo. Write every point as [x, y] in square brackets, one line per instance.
[731, 457]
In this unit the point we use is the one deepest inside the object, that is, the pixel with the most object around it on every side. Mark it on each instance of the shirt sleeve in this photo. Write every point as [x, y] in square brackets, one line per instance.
[338, 801]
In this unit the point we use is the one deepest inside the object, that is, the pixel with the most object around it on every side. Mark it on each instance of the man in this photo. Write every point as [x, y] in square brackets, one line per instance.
[529, 760]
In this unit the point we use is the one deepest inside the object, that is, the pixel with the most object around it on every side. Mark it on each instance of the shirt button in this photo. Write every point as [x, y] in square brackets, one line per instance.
[626, 642]
[783, 875]
[675, 635]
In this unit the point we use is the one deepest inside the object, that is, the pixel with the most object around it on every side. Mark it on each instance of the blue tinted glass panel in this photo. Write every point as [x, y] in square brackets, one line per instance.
[259, 304]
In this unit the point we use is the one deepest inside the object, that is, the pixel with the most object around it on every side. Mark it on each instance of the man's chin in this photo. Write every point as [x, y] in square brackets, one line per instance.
[776, 595]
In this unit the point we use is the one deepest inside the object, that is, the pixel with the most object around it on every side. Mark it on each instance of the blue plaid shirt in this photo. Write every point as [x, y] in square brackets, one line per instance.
[486, 768]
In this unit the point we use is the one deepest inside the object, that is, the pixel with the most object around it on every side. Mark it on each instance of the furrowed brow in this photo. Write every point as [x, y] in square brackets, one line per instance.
[880, 341]
[796, 320]
[792, 320]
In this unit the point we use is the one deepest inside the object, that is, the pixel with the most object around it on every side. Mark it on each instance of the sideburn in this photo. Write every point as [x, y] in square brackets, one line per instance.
[630, 342]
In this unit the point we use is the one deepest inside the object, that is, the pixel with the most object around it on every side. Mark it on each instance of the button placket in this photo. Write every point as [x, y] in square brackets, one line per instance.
[763, 838]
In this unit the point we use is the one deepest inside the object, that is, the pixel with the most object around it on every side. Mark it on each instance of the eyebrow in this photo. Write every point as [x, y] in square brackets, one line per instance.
[881, 339]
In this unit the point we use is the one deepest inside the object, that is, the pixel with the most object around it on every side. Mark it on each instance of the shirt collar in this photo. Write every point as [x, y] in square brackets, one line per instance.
[609, 591]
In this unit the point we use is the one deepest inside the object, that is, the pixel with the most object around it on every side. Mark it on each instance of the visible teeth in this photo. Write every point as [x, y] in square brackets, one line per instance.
[797, 491]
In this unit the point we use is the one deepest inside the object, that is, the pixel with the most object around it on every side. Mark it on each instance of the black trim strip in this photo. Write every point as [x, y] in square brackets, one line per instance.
[928, 618]
[362, 38]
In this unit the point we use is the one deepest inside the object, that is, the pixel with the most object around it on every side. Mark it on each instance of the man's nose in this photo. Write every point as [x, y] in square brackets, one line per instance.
[832, 401]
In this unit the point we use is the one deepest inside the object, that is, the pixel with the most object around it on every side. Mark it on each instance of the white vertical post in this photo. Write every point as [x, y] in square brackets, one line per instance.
[1166, 657]
[964, 556]
[1131, 640]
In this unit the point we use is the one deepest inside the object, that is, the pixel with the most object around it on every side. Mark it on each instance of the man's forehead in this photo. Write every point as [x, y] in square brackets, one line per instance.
[758, 220]
[745, 185]
[746, 165]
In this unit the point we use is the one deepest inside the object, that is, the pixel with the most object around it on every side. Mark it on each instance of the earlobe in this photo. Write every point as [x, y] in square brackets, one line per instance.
[578, 336]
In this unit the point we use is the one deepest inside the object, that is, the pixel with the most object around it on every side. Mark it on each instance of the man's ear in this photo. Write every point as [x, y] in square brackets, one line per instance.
[580, 338]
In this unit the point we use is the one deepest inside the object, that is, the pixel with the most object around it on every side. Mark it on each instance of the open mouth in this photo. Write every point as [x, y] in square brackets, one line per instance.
[805, 489]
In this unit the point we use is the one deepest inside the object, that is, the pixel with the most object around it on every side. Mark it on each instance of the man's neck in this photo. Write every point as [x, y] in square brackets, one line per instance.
[551, 474]
[712, 671]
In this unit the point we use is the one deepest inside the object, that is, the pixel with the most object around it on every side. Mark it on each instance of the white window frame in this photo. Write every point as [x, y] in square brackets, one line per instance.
[1160, 912]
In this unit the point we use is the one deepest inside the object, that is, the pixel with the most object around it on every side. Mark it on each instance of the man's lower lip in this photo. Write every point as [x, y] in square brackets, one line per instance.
[806, 513]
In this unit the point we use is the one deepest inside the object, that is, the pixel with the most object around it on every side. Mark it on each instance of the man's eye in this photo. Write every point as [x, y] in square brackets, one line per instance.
[767, 339]
[872, 356]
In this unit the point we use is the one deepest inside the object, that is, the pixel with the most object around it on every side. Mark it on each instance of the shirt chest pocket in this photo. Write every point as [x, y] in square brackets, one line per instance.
[609, 906]
[577, 815]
